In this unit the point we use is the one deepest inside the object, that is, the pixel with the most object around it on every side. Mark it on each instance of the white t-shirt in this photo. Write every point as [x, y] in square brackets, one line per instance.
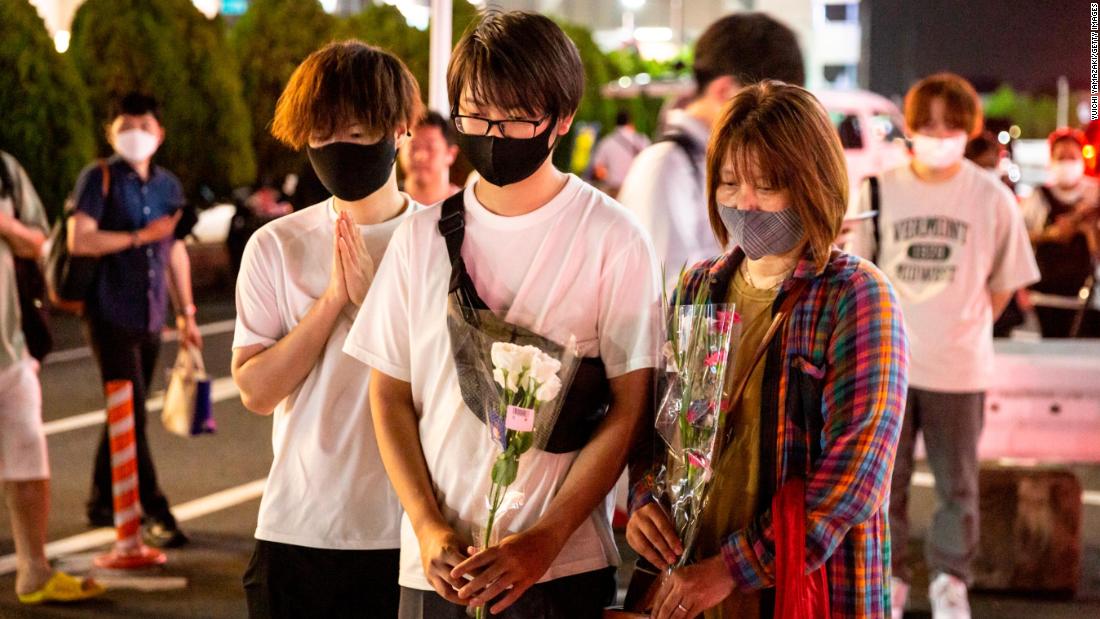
[578, 265]
[617, 151]
[667, 194]
[946, 247]
[327, 487]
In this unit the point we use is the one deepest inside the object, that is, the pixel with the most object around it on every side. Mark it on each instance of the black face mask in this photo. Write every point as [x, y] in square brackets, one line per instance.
[503, 161]
[353, 171]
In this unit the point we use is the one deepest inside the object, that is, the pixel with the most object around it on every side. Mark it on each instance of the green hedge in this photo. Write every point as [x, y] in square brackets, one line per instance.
[168, 49]
[270, 40]
[46, 122]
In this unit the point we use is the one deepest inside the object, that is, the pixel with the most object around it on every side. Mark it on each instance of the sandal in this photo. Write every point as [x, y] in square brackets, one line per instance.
[62, 587]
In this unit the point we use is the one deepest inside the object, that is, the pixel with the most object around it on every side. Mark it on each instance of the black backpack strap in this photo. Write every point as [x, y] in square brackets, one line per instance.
[876, 206]
[691, 148]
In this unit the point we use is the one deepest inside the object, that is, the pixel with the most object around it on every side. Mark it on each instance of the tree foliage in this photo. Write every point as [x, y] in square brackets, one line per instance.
[1036, 115]
[384, 26]
[270, 40]
[47, 125]
[168, 49]
[594, 106]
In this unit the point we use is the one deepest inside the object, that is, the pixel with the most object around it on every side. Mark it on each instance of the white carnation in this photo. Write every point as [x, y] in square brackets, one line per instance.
[548, 390]
[504, 356]
[543, 367]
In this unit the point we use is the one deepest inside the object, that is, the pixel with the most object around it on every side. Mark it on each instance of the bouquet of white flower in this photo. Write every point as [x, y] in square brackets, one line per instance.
[529, 382]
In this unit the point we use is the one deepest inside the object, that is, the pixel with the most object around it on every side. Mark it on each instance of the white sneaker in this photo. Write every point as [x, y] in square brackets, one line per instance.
[899, 596]
[948, 596]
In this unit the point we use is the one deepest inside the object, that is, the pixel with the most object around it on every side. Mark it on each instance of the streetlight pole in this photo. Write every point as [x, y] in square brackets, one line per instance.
[630, 7]
[439, 54]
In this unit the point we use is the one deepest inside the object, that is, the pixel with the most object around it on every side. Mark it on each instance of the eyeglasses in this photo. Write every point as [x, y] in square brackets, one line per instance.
[510, 128]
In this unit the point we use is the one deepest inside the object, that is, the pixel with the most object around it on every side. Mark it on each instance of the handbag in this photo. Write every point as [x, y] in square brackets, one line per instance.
[187, 403]
[646, 582]
[798, 595]
[70, 278]
[34, 316]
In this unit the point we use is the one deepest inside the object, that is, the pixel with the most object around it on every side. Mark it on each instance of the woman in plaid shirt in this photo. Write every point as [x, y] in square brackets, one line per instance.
[825, 403]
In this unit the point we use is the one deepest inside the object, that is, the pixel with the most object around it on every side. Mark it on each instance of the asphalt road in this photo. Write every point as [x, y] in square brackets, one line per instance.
[212, 479]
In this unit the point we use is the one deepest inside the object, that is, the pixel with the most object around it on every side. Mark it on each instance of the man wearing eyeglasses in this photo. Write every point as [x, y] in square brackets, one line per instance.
[546, 252]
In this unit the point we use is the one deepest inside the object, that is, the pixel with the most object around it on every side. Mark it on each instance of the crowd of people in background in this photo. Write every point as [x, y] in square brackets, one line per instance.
[357, 275]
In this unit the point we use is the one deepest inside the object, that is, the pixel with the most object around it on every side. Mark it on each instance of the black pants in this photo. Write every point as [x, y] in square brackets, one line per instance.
[126, 354]
[290, 582]
[582, 596]
[1056, 322]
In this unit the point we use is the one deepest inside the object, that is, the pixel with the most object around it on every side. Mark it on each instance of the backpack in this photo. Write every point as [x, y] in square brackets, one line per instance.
[70, 277]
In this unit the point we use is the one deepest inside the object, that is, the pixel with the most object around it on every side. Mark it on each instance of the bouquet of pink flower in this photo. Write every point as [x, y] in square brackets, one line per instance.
[690, 412]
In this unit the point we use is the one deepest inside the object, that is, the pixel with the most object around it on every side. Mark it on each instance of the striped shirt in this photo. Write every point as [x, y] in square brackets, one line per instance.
[834, 393]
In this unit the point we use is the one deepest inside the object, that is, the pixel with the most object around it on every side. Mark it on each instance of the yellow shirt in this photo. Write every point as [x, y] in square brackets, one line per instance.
[733, 495]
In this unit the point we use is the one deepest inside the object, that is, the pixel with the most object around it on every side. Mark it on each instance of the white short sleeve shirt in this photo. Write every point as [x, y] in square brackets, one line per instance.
[666, 192]
[579, 265]
[945, 247]
[327, 487]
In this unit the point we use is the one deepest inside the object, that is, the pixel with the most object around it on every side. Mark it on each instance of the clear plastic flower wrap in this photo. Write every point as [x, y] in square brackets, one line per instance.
[689, 416]
[516, 382]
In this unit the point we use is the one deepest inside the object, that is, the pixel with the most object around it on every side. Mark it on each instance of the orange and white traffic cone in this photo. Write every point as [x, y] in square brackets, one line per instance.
[128, 552]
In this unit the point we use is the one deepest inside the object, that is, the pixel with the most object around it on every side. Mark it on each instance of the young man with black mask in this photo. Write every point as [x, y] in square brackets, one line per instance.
[664, 186]
[328, 528]
[548, 253]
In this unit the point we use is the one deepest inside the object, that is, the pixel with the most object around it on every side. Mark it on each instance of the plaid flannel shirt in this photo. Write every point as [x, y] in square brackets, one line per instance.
[841, 366]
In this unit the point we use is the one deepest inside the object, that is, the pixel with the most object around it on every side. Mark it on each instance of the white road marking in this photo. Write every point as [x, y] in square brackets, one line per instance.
[187, 511]
[171, 335]
[148, 579]
[139, 583]
[221, 389]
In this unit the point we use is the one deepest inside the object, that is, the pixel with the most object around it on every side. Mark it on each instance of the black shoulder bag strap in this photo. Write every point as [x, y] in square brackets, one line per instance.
[452, 227]
[589, 395]
[876, 206]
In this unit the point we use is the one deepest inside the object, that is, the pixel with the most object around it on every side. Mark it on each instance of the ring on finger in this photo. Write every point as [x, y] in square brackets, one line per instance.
[681, 608]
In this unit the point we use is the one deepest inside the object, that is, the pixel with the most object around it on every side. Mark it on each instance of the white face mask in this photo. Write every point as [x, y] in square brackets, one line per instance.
[1066, 173]
[939, 153]
[135, 145]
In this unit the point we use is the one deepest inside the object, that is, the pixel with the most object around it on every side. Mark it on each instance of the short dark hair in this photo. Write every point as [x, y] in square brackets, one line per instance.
[750, 47]
[622, 117]
[435, 119]
[962, 107]
[135, 104]
[986, 142]
[342, 83]
[517, 61]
